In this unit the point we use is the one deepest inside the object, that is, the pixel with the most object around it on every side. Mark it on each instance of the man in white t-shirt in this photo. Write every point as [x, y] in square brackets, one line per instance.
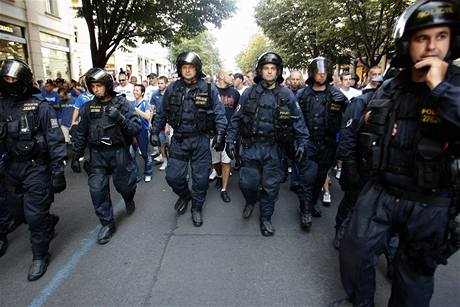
[238, 83]
[153, 86]
[345, 87]
[125, 87]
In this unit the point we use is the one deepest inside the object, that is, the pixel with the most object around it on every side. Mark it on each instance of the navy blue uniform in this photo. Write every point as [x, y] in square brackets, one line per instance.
[322, 111]
[407, 144]
[36, 149]
[109, 152]
[195, 113]
[260, 155]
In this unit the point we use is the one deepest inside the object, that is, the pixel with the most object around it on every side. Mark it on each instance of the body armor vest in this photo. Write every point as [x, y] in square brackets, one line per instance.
[322, 118]
[102, 129]
[404, 143]
[20, 130]
[263, 122]
[196, 118]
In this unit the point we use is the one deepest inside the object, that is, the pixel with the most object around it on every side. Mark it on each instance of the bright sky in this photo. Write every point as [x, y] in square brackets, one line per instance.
[235, 32]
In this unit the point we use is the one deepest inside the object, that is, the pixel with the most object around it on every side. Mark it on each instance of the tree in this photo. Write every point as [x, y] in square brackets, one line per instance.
[204, 45]
[119, 23]
[338, 30]
[247, 58]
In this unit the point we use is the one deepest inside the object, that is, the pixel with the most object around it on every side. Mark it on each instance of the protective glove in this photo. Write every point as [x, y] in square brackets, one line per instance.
[75, 165]
[154, 138]
[115, 114]
[218, 142]
[300, 154]
[230, 150]
[59, 183]
[350, 179]
[73, 130]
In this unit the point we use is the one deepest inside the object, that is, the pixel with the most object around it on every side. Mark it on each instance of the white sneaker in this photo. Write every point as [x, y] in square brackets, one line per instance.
[148, 178]
[338, 174]
[213, 175]
[155, 151]
[159, 159]
[163, 166]
[289, 169]
[327, 197]
[81, 159]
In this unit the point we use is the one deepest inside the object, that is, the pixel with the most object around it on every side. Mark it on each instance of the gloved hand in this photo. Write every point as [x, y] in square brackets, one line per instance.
[230, 150]
[115, 114]
[154, 138]
[218, 142]
[59, 183]
[75, 165]
[300, 154]
[350, 179]
[73, 130]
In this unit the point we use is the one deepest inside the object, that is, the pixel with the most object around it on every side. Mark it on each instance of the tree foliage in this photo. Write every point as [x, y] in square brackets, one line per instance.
[338, 30]
[115, 23]
[246, 59]
[204, 45]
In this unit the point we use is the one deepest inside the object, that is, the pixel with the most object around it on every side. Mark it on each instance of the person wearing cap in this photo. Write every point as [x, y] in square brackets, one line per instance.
[322, 106]
[192, 108]
[269, 121]
[107, 125]
[33, 154]
[409, 142]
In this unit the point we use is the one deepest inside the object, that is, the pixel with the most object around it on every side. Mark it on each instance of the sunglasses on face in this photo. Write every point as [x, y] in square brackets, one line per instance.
[122, 80]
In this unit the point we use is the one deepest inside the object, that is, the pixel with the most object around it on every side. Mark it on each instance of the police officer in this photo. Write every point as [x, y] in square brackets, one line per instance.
[410, 141]
[322, 107]
[191, 106]
[108, 124]
[269, 121]
[33, 159]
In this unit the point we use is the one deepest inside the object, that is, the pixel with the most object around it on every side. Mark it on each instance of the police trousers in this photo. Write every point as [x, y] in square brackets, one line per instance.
[103, 163]
[31, 182]
[194, 150]
[261, 166]
[378, 214]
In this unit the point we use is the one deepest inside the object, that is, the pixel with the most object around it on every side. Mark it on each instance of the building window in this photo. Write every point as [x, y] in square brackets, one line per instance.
[12, 42]
[51, 7]
[55, 54]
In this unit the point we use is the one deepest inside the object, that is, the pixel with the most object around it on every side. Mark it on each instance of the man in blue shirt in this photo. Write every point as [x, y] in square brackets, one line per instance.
[157, 101]
[67, 107]
[142, 109]
[53, 98]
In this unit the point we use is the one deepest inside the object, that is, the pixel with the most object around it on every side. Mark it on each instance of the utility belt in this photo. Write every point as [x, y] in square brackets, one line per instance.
[180, 136]
[247, 142]
[110, 136]
[425, 198]
[105, 147]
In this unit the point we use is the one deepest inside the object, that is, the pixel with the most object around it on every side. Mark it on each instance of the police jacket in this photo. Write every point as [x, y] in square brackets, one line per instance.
[322, 111]
[31, 131]
[270, 116]
[411, 140]
[100, 131]
[346, 148]
[192, 110]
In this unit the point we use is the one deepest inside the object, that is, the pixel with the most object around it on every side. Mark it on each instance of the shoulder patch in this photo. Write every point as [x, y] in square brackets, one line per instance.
[349, 122]
[54, 123]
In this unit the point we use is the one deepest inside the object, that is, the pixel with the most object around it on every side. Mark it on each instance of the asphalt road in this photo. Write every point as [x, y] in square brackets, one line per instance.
[157, 258]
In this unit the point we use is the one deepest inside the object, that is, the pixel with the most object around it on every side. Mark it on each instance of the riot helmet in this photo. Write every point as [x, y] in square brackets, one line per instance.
[269, 58]
[21, 71]
[190, 58]
[98, 75]
[319, 65]
[425, 14]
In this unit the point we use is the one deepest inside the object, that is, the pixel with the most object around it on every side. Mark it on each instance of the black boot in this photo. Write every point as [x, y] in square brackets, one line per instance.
[38, 267]
[130, 207]
[105, 233]
[12, 225]
[315, 211]
[342, 303]
[266, 227]
[305, 215]
[197, 217]
[3, 245]
[247, 211]
[181, 205]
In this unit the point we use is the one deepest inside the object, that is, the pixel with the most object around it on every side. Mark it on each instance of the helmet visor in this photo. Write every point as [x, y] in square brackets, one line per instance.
[320, 67]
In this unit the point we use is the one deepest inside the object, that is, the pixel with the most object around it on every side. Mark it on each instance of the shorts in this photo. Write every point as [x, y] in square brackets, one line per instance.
[163, 138]
[219, 157]
[65, 131]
